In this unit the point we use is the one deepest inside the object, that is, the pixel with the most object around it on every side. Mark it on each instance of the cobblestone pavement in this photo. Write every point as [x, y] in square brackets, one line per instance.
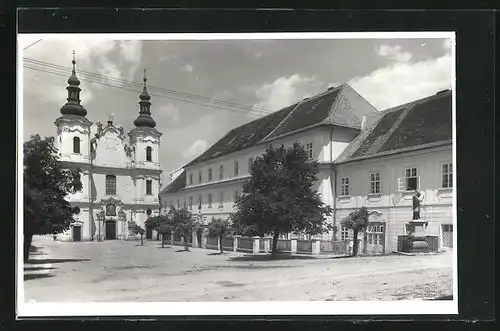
[123, 271]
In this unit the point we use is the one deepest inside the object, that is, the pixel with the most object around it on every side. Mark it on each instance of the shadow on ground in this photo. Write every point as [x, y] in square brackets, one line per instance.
[259, 257]
[36, 276]
[44, 261]
[218, 253]
[38, 268]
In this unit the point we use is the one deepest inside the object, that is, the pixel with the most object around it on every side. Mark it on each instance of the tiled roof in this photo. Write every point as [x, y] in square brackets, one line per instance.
[417, 123]
[327, 108]
[176, 185]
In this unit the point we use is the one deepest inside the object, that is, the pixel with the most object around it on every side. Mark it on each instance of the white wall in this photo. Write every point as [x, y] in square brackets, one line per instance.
[437, 204]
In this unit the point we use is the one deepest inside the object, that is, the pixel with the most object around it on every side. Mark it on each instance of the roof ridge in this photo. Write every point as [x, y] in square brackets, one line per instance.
[328, 120]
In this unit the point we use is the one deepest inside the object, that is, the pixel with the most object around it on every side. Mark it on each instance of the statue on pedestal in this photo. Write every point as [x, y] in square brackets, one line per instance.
[417, 201]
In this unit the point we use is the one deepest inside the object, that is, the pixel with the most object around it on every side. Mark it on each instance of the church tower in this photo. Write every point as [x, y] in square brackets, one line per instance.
[73, 128]
[145, 144]
[73, 145]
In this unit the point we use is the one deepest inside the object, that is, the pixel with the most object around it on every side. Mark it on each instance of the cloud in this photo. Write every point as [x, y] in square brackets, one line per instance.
[285, 91]
[170, 111]
[93, 55]
[403, 82]
[198, 147]
[394, 53]
[187, 68]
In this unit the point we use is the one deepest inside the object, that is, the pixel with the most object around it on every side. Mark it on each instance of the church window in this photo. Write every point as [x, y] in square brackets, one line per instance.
[149, 151]
[76, 145]
[149, 186]
[110, 185]
[447, 178]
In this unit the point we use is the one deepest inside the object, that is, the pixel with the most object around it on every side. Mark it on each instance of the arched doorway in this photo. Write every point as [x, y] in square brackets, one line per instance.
[110, 229]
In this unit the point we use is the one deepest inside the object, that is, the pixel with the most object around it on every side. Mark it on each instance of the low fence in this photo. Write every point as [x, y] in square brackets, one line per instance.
[264, 245]
[407, 244]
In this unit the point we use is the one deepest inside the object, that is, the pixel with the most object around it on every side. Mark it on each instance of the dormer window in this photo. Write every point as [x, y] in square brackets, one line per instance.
[76, 145]
[149, 151]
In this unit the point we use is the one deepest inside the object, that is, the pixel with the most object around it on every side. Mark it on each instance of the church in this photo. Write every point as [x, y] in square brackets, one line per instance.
[379, 159]
[120, 172]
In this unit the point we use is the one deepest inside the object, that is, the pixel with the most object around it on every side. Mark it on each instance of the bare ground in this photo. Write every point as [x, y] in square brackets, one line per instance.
[124, 271]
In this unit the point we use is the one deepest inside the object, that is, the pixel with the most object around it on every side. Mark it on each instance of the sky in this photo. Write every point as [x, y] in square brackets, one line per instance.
[263, 75]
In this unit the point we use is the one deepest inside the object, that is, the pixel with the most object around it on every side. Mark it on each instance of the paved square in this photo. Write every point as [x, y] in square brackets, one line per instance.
[123, 271]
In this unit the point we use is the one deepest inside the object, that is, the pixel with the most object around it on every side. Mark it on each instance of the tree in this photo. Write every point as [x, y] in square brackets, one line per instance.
[162, 224]
[136, 229]
[279, 198]
[356, 221]
[219, 228]
[183, 223]
[47, 182]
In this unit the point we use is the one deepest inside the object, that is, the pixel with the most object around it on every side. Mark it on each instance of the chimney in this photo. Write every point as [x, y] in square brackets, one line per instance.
[363, 122]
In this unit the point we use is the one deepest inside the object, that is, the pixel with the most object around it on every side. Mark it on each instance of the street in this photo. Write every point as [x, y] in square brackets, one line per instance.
[124, 271]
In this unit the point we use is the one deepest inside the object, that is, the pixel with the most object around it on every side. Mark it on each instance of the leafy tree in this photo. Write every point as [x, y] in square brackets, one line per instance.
[136, 229]
[47, 182]
[219, 227]
[162, 224]
[279, 197]
[183, 223]
[356, 221]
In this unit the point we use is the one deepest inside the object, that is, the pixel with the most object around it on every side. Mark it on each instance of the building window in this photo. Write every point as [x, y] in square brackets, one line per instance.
[221, 172]
[199, 201]
[190, 179]
[210, 174]
[178, 204]
[221, 199]
[190, 203]
[375, 183]
[199, 176]
[236, 194]
[209, 200]
[344, 233]
[149, 186]
[411, 180]
[149, 151]
[250, 162]
[76, 145]
[110, 185]
[447, 178]
[309, 150]
[344, 186]
[236, 168]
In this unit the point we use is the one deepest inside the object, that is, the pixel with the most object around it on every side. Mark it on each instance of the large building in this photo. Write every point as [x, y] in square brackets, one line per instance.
[377, 159]
[120, 174]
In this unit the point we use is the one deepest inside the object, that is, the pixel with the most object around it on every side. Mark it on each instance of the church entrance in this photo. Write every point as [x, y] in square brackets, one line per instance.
[110, 230]
[77, 233]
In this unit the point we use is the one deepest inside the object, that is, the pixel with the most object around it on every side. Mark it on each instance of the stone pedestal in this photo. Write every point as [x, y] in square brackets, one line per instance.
[235, 243]
[293, 245]
[267, 244]
[255, 246]
[195, 239]
[316, 246]
[416, 231]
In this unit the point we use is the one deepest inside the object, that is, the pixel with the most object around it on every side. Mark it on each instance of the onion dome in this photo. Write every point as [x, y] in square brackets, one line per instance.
[144, 119]
[73, 107]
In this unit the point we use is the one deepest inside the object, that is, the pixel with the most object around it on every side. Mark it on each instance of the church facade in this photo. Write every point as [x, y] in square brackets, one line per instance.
[371, 158]
[120, 171]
